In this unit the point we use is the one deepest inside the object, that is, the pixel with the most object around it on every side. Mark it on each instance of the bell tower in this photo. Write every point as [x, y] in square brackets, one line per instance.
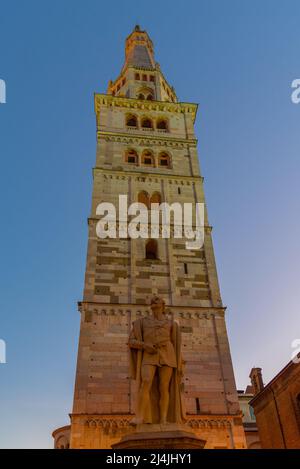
[147, 150]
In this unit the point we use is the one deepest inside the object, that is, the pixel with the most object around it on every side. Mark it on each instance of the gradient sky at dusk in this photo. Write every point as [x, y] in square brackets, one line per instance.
[237, 59]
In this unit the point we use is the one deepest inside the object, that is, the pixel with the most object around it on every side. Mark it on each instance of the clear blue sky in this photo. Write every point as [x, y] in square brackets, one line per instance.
[235, 58]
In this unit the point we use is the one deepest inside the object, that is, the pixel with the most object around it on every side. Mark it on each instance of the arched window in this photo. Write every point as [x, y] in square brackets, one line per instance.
[251, 412]
[146, 123]
[62, 442]
[144, 78]
[151, 249]
[155, 198]
[131, 120]
[162, 124]
[131, 157]
[143, 198]
[148, 158]
[164, 160]
[137, 76]
[150, 97]
[145, 92]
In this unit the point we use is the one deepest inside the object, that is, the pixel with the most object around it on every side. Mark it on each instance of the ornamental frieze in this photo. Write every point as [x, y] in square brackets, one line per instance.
[129, 103]
[113, 425]
[146, 140]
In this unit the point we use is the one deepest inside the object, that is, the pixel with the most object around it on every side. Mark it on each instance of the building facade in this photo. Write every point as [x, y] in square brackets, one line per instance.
[147, 150]
[277, 407]
[249, 420]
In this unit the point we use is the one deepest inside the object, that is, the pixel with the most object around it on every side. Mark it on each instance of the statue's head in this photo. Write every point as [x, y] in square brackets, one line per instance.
[157, 305]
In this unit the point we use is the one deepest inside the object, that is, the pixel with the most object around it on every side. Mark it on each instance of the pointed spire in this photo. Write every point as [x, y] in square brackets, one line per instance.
[139, 50]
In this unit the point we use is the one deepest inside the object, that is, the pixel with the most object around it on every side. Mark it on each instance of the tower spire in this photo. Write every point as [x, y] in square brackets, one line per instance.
[141, 76]
[139, 50]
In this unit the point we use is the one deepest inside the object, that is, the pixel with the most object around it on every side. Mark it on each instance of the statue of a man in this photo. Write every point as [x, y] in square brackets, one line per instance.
[156, 365]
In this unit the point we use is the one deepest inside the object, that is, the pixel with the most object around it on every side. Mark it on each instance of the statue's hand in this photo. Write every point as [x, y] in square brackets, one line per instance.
[135, 344]
[150, 348]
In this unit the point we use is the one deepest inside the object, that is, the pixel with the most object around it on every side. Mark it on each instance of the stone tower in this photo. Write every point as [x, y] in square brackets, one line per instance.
[147, 149]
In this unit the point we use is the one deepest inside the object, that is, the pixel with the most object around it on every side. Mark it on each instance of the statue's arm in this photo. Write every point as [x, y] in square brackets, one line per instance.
[134, 343]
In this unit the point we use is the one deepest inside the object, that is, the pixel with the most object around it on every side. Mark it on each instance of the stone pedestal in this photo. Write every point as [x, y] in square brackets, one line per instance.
[156, 436]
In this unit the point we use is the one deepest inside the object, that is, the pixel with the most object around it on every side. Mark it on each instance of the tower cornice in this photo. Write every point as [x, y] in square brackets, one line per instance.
[143, 309]
[131, 103]
[149, 138]
[124, 173]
